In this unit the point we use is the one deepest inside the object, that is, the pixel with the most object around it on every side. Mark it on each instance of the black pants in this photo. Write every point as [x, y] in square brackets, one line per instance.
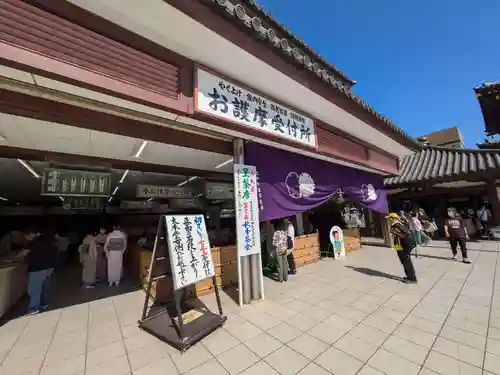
[454, 242]
[486, 228]
[405, 259]
[291, 263]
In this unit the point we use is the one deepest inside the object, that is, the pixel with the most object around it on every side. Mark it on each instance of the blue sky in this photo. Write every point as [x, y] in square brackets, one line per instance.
[416, 61]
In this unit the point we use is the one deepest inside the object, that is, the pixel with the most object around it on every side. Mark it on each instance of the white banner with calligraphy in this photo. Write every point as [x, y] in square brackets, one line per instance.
[189, 250]
[247, 210]
[221, 98]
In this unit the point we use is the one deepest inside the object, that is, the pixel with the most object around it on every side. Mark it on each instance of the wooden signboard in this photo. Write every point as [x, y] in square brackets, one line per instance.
[182, 245]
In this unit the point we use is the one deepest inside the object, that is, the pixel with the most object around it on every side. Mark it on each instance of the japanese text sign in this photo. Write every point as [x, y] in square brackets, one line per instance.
[76, 183]
[158, 191]
[247, 210]
[221, 98]
[189, 249]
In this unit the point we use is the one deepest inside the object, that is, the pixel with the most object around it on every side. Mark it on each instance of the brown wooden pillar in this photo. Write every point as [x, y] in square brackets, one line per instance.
[492, 193]
[386, 231]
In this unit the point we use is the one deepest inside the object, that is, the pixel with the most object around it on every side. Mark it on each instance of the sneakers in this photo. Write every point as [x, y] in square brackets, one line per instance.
[408, 281]
[466, 260]
[454, 257]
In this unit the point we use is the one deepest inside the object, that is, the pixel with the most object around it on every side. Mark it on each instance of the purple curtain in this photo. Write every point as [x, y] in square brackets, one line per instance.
[290, 183]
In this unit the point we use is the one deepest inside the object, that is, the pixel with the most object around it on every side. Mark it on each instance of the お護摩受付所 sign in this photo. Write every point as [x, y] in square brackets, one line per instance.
[246, 210]
[219, 97]
[189, 249]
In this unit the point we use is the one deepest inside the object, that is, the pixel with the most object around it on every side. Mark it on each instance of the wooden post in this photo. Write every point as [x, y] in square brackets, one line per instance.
[494, 200]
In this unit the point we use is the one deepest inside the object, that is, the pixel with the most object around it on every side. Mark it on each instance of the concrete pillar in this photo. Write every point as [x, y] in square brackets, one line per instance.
[493, 197]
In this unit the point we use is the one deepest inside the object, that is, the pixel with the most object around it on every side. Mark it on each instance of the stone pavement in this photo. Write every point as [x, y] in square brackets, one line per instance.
[335, 317]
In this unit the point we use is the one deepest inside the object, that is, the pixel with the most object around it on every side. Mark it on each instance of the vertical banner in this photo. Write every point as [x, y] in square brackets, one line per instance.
[246, 210]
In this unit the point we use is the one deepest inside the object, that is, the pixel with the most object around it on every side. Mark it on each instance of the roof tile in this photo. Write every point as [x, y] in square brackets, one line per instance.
[230, 6]
[435, 163]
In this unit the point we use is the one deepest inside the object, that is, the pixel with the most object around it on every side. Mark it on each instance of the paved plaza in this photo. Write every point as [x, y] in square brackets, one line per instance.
[335, 317]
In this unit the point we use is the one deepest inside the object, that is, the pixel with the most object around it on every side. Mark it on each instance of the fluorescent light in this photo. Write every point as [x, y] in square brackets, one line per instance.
[123, 176]
[3, 199]
[110, 199]
[229, 161]
[141, 149]
[150, 199]
[61, 198]
[115, 191]
[199, 195]
[29, 168]
[186, 181]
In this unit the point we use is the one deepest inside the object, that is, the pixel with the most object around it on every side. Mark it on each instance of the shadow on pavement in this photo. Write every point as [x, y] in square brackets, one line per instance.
[420, 255]
[372, 272]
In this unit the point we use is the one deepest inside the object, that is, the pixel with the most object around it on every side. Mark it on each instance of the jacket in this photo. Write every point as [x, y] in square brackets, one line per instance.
[401, 236]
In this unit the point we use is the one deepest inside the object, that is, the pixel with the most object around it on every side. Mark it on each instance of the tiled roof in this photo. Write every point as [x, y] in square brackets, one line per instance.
[291, 46]
[436, 163]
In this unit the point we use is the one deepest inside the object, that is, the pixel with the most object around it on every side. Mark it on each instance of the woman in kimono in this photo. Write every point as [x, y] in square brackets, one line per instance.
[88, 259]
[115, 246]
[101, 255]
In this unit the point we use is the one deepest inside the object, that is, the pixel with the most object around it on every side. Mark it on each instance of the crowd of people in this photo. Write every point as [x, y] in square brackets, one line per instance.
[100, 255]
[411, 231]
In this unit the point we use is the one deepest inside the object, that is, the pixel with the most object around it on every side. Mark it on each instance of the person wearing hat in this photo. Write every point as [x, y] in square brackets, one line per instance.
[403, 244]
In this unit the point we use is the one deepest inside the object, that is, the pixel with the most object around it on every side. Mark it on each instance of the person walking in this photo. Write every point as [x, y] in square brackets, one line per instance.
[403, 244]
[100, 240]
[455, 230]
[416, 229]
[115, 246]
[429, 227]
[484, 216]
[62, 242]
[280, 243]
[88, 258]
[42, 258]
[290, 232]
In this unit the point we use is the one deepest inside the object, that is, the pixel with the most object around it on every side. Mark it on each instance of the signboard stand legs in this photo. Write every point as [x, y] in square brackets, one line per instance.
[179, 322]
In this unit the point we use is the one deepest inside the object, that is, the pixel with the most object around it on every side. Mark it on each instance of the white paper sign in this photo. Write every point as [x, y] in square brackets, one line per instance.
[159, 191]
[247, 210]
[189, 249]
[221, 98]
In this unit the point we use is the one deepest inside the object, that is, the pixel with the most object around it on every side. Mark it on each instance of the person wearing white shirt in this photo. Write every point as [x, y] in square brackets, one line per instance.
[115, 246]
[290, 232]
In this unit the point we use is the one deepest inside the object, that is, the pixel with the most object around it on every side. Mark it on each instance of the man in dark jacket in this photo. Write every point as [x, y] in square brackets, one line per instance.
[403, 244]
[42, 259]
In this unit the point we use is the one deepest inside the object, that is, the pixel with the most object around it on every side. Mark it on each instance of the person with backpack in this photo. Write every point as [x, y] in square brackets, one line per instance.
[280, 242]
[403, 244]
